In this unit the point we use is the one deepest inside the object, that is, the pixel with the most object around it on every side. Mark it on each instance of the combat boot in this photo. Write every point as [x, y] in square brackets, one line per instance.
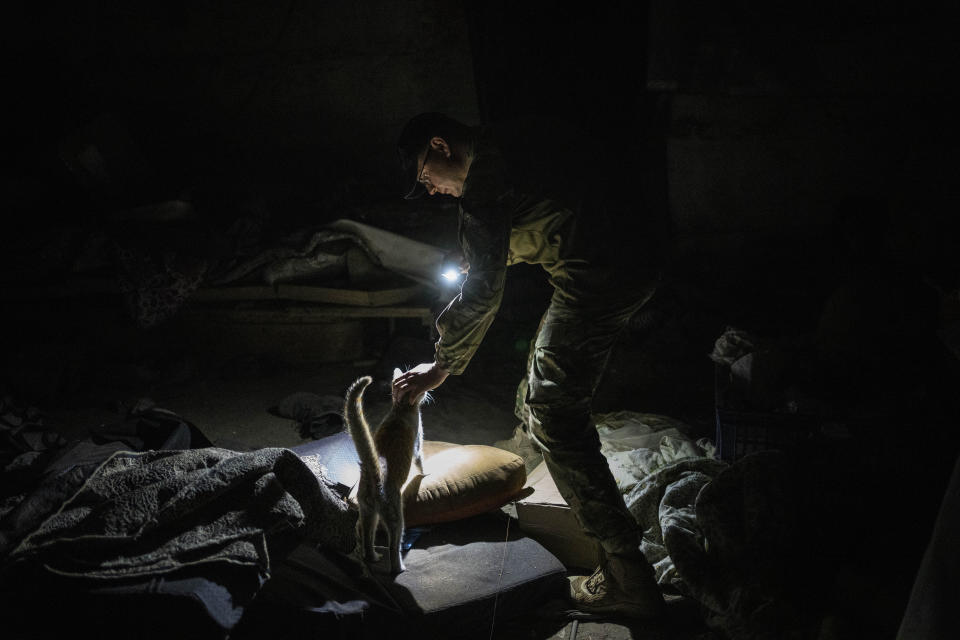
[622, 585]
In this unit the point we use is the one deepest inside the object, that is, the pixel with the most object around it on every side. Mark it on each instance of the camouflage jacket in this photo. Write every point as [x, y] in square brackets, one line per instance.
[535, 193]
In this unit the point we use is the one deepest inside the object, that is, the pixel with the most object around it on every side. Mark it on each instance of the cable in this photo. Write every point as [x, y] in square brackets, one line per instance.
[503, 562]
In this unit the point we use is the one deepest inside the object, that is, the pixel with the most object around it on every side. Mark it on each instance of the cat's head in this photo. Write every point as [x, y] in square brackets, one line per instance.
[424, 398]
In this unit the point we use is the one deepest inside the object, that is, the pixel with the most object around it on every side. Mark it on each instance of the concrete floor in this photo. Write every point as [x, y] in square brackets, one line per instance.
[232, 399]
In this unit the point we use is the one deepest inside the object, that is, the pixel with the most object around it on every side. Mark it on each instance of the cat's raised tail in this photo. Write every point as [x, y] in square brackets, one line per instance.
[359, 429]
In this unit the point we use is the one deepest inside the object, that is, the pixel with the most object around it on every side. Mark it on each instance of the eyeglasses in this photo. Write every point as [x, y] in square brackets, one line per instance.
[423, 166]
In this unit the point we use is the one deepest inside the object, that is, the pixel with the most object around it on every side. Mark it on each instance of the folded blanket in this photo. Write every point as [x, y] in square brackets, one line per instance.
[159, 511]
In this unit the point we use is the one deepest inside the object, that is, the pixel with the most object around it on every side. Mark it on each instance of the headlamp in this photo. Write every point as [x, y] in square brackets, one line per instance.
[451, 274]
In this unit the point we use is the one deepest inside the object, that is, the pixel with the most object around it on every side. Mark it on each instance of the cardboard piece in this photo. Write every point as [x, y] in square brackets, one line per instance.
[547, 518]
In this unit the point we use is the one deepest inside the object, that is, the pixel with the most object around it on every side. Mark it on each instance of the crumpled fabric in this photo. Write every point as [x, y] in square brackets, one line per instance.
[22, 431]
[156, 284]
[733, 539]
[154, 512]
[663, 503]
[732, 345]
[316, 416]
[27, 446]
[638, 444]
[22, 513]
[154, 289]
[307, 252]
[726, 536]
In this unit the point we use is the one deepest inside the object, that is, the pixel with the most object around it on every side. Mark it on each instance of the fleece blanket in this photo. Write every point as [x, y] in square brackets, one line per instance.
[158, 511]
[660, 470]
[729, 536]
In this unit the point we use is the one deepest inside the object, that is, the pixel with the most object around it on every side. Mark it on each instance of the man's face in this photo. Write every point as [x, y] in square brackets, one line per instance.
[441, 172]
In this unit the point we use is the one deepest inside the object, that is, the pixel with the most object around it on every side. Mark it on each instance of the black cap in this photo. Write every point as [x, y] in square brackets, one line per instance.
[412, 142]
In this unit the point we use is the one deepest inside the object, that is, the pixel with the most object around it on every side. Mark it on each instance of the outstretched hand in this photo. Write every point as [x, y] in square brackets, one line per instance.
[422, 378]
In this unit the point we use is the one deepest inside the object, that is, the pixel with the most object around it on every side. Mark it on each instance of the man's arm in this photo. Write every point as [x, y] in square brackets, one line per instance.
[484, 233]
[485, 240]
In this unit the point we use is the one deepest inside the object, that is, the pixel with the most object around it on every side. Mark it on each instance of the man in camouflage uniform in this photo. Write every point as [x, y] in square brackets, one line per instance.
[538, 192]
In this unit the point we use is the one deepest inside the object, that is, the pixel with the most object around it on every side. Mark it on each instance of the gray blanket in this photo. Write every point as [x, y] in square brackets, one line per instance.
[157, 511]
[734, 539]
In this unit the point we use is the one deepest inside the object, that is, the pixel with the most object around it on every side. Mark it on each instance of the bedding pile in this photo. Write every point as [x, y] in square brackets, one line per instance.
[181, 532]
[732, 537]
[159, 511]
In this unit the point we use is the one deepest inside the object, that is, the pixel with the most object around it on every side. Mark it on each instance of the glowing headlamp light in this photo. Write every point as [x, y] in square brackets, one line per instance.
[450, 273]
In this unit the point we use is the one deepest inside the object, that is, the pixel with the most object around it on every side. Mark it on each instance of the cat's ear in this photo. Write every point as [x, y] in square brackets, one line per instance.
[396, 373]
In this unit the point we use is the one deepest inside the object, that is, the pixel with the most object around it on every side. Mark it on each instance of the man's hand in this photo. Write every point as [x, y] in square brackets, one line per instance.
[423, 377]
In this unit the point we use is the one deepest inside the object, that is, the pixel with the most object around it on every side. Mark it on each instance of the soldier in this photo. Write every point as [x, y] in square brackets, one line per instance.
[540, 192]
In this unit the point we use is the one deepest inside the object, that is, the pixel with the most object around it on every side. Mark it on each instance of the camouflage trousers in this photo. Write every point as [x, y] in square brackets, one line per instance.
[565, 365]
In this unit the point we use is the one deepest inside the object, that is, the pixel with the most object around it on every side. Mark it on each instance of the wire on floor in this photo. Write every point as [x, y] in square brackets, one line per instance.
[503, 562]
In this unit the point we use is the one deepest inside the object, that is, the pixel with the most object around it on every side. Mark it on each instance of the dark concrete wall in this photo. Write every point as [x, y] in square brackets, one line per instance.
[303, 92]
[757, 123]
[779, 118]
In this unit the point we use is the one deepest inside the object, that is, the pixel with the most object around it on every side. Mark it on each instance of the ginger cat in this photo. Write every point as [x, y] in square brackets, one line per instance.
[398, 442]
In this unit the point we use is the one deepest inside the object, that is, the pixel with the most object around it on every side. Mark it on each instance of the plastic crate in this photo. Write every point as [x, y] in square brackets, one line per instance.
[743, 432]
